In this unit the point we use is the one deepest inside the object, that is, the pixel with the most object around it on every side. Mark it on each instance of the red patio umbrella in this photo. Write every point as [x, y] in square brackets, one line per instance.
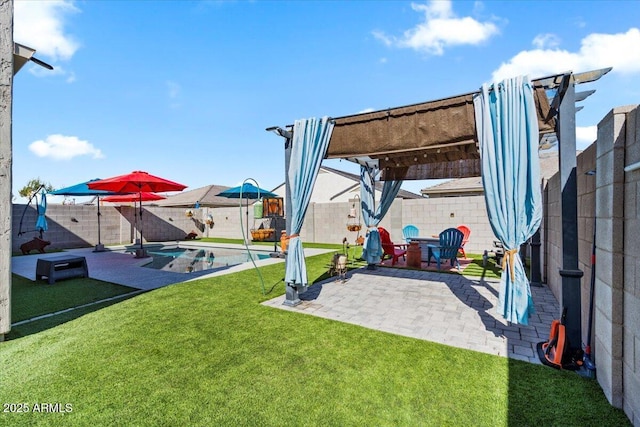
[133, 197]
[137, 182]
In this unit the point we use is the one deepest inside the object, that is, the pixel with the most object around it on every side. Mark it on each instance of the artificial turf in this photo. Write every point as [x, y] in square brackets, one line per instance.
[206, 353]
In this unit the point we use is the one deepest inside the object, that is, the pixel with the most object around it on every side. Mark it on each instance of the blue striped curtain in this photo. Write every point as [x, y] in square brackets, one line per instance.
[507, 127]
[308, 147]
[372, 247]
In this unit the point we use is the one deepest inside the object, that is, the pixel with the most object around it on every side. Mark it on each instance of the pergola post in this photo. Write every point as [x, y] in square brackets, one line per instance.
[570, 273]
[6, 94]
[536, 277]
[292, 291]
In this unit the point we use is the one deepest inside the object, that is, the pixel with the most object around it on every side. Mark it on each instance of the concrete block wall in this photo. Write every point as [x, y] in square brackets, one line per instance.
[69, 226]
[612, 199]
[631, 272]
[552, 237]
[609, 308]
[77, 225]
[432, 216]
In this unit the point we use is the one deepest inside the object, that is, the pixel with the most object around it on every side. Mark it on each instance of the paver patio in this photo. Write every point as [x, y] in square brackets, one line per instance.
[449, 309]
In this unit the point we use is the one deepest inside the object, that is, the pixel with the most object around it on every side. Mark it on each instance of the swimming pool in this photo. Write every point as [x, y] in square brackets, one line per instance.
[190, 260]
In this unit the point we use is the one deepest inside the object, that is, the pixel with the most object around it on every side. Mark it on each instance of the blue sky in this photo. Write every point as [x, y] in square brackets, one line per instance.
[185, 90]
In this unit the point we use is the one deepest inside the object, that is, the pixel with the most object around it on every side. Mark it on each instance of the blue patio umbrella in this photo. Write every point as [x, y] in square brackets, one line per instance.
[246, 191]
[41, 222]
[83, 189]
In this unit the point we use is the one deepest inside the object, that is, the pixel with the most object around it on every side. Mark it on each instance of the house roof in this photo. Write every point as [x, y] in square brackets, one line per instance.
[207, 196]
[403, 194]
[548, 168]
[456, 186]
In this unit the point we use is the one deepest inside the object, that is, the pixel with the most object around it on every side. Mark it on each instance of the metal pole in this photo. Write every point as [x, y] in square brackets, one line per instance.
[99, 246]
[536, 279]
[571, 274]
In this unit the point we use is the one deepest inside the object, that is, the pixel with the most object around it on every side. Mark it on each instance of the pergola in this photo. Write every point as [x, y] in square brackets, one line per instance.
[438, 139]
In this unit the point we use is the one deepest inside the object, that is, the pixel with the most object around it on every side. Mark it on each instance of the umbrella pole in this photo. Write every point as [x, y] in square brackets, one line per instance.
[99, 246]
[135, 221]
[140, 253]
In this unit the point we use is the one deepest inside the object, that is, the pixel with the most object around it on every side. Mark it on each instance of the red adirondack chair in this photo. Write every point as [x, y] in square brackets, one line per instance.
[390, 249]
[465, 236]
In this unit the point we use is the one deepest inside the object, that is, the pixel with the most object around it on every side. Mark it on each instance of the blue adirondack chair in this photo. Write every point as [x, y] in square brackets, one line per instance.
[450, 241]
[410, 231]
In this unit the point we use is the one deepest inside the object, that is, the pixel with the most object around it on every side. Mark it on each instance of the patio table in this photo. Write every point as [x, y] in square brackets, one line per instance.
[61, 267]
[424, 248]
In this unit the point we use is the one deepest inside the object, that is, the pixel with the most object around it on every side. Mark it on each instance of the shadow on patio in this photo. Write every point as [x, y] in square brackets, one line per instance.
[450, 309]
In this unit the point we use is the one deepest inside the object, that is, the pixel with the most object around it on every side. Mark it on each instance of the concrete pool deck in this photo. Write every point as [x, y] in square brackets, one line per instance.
[115, 266]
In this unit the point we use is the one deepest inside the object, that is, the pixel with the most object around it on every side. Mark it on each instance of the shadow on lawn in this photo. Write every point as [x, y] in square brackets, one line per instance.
[37, 306]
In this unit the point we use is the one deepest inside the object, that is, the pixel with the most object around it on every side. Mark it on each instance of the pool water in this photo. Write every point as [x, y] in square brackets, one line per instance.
[187, 260]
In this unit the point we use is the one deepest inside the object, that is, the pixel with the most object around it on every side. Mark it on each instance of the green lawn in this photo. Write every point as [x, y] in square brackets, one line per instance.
[31, 299]
[206, 353]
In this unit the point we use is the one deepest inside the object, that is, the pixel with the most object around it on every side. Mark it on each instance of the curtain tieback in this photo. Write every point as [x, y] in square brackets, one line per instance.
[293, 236]
[510, 258]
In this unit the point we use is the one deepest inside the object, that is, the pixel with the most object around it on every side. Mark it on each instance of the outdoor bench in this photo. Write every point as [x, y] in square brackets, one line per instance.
[62, 267]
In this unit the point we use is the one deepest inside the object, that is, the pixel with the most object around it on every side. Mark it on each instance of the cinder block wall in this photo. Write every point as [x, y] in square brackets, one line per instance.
[609, 301]
[614, 196]
[72, 226]
[75, 226]
[631, 291]
[552, 236]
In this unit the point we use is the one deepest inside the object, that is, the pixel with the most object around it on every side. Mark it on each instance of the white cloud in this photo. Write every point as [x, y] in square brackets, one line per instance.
[386, 40]
[542, 41]
[620, 51]
[366, 110]
[441, 29]
[585, 135]
[40, 26]
[61, 147]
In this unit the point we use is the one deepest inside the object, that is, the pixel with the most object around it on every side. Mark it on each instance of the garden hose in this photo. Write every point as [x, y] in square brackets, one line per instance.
[244, 235]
